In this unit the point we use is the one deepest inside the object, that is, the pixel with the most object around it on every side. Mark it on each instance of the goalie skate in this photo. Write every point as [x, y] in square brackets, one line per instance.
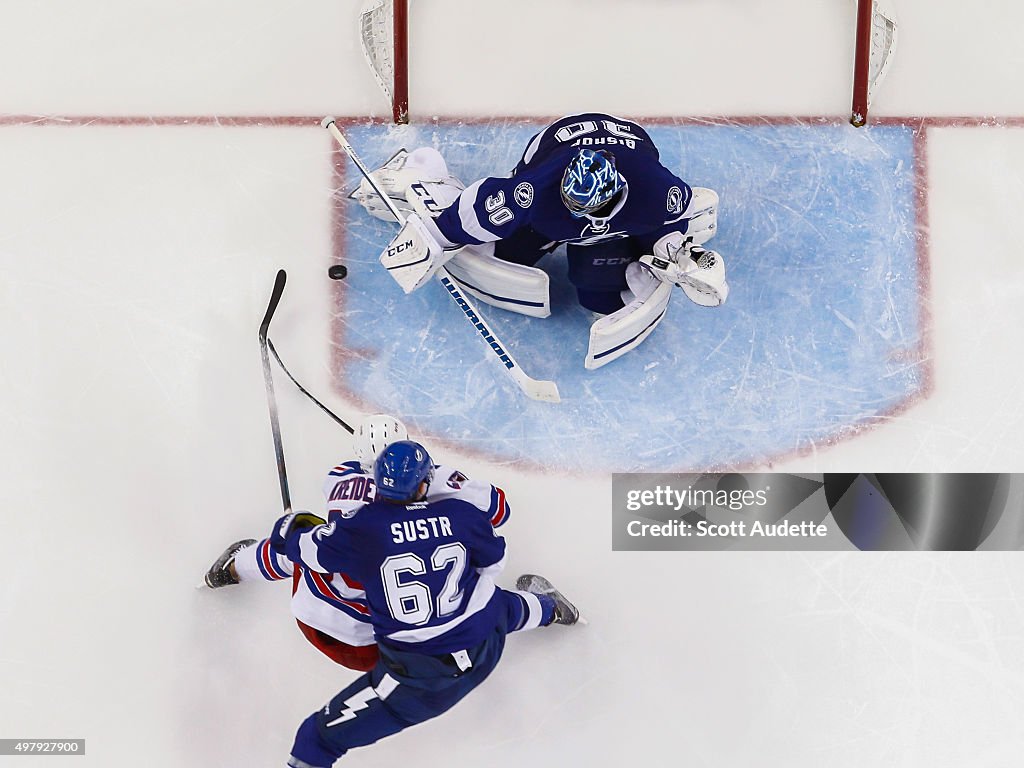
[219, 574]
[565, 612]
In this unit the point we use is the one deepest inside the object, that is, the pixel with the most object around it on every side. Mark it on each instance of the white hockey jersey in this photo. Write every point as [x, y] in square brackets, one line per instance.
[333, 603]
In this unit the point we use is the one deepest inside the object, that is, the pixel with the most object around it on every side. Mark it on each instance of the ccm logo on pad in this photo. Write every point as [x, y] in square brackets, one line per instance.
[397, 249]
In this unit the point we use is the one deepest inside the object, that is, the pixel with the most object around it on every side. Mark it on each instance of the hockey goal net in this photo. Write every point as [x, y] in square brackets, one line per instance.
[383, 32]
[876, 43]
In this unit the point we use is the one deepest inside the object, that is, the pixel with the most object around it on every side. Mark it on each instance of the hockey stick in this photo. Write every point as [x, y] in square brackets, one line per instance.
[534, 388]
[268, 381]
[306, 392]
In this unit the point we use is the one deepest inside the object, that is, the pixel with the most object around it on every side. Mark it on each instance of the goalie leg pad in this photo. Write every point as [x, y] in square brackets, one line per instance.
[616, 334]
[515, 287]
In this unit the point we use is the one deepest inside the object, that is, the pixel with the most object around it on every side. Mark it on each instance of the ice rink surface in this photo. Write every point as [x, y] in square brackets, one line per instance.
[160, 163]
[806, 354]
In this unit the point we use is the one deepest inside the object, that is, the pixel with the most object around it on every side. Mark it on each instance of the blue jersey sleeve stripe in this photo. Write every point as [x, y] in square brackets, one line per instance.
[261, 561]
[269, 566]
[348, 468]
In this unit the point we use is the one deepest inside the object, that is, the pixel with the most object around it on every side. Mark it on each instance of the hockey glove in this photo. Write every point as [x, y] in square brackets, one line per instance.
[415, 182]
[699, 272]
[415, 255]
[292, 525]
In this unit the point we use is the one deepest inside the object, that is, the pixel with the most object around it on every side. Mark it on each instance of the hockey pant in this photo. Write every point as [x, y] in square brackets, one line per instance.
[361, 658]
[597, 271]
[405, 688]
[259, 562]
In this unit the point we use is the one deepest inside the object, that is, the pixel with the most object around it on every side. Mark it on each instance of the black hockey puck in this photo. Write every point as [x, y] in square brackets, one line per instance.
[337, 272]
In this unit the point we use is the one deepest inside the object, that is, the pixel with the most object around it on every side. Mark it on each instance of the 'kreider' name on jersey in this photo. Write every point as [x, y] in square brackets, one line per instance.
[353, 488]
[425, 528]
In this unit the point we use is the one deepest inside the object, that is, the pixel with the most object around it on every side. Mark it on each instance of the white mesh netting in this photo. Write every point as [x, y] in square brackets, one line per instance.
[376, 34]
[883, 45]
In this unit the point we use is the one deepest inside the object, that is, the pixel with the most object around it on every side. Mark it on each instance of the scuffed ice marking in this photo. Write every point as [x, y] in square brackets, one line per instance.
[820, 335]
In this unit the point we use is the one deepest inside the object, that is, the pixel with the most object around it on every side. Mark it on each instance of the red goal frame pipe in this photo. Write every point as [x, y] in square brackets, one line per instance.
[862, 62]
[400, 104]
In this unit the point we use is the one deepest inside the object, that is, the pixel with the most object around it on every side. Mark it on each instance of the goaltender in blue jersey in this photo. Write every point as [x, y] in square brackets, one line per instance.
[572, 185]
[591, 182]
[428, 566]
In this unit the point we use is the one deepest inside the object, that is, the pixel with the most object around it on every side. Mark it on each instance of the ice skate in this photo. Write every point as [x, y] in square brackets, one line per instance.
[565, 612]
[219, 574]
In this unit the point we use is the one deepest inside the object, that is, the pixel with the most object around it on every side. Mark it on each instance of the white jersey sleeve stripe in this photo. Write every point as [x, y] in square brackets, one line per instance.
[468, 218]
[492, 571]
[534, 611]
[308, 552]
[531, 148]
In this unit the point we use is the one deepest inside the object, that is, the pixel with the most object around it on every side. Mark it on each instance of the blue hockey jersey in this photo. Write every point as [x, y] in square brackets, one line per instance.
[427, 568]
[653, 204]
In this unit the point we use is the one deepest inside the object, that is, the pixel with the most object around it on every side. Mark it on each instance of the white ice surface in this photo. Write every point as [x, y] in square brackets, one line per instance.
[136, 261]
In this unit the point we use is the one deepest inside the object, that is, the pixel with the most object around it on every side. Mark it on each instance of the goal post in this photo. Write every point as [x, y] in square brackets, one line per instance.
[384, 36]
[876, 43]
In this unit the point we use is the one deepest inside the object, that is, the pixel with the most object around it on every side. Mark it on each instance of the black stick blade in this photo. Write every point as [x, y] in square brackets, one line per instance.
[275, 299]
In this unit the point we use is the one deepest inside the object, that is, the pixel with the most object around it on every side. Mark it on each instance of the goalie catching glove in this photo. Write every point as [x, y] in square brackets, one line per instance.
[699, 272]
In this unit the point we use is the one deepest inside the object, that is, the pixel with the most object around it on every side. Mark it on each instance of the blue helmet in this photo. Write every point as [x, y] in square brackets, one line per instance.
[590, 181]
[400, 469]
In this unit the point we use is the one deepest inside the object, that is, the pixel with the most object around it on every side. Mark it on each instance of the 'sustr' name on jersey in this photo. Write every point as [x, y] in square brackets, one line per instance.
[427, 528]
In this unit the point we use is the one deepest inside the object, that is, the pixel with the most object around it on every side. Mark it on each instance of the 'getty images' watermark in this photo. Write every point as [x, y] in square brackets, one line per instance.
[762, 510]
[710, 511]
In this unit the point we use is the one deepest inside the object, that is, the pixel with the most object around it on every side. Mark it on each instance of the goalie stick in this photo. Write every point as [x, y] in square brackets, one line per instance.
[534, 388]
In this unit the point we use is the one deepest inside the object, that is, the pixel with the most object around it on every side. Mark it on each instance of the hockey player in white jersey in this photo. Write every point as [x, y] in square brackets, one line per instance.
[592, 182]
[330, 609]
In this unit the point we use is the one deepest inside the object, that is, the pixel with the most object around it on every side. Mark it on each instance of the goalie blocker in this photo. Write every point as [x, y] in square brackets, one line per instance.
[419, 186]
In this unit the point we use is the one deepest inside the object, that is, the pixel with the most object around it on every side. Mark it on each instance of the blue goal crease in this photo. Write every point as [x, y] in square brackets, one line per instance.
[817, 228]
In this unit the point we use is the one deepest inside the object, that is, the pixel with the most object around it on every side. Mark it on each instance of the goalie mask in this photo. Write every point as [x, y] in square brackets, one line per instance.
[590, 182]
